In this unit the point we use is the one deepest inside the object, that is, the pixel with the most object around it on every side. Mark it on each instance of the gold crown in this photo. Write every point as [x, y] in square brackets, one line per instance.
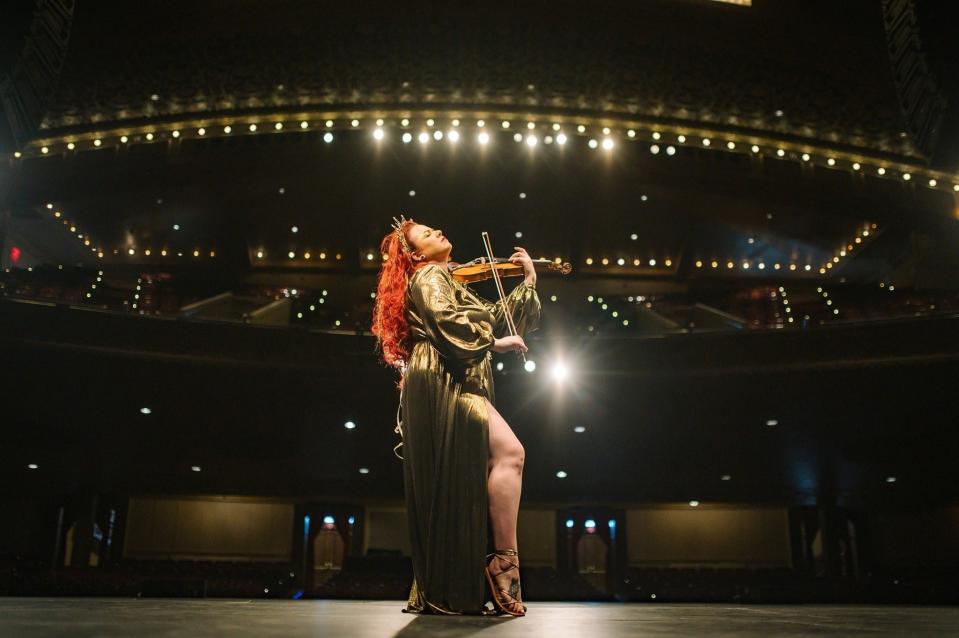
[398, 227]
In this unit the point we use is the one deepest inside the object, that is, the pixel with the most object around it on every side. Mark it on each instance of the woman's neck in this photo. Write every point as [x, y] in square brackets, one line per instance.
[443, 263]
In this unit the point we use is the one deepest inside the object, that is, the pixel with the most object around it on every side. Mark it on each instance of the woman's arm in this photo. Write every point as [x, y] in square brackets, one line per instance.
[448, 328]
[525, 310]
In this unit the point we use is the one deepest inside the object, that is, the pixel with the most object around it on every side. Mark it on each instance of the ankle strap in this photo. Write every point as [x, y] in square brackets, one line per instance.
[504, 552]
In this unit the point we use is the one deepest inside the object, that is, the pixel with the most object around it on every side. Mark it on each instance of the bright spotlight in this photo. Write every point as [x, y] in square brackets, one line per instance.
[327, 137]
[561, 139]
[483, 138]
[560, 371]
[424, 138]
[407, 138]
[530, 365]
[378, 133]
[531, 140]
[437, 135]
[608, 144]
[453, 136]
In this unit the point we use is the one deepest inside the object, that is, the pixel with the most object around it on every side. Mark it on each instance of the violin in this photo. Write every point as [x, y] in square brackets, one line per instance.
[480, 269]
[490, 267]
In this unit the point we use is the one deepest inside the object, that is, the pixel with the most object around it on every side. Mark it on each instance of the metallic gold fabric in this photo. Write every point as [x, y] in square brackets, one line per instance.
[445, 433]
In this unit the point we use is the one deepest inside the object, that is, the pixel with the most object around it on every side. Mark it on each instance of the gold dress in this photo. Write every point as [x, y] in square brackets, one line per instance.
[445, 434]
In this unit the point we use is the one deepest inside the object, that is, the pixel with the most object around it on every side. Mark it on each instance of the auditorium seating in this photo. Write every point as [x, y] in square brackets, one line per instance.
[747, 306]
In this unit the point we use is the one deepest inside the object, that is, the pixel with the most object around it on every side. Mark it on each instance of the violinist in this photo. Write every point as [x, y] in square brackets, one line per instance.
[462, 463]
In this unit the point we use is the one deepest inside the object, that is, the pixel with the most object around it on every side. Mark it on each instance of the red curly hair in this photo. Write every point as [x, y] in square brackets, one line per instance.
[389, 311]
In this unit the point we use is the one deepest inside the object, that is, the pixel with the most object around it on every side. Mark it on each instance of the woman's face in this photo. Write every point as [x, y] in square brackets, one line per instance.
[428, 244]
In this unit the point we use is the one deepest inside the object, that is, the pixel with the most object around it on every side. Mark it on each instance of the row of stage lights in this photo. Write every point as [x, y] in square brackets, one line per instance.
[536, 132]
[322, 255]
[652, 263]
[828, 301]
[784, 297]
[98, 251]
[605, 261]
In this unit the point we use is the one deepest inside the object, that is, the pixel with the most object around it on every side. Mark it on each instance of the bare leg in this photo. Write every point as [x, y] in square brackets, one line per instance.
[504, 486]
[505, 479]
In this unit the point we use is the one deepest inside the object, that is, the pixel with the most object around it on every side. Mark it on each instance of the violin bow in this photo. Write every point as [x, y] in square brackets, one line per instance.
[499, 288]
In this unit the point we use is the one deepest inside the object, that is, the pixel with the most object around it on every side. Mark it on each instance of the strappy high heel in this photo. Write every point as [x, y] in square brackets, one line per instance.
[502, 597]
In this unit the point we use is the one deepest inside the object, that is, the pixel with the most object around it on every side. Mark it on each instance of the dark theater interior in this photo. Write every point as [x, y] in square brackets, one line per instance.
[736, 399]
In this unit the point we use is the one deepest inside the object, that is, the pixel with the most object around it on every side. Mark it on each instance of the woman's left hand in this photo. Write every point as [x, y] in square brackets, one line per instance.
[522, 257]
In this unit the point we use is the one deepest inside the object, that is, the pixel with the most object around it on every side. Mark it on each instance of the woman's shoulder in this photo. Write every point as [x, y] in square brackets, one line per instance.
[430, 271]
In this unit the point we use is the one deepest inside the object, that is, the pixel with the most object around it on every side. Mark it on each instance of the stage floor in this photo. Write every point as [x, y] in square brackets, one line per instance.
[147, 617]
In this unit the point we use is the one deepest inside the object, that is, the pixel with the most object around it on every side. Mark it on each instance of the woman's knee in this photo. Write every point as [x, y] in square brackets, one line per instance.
[519, 457]
[513, 456]
[505, 448]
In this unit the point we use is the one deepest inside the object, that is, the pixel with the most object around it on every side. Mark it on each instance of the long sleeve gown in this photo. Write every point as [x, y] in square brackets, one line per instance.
[445, 434]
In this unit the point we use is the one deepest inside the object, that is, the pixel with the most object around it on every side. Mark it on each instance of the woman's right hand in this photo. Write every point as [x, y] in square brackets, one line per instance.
[510, 344]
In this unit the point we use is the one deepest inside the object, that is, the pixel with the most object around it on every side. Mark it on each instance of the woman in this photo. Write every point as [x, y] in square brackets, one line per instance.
[461, 461]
